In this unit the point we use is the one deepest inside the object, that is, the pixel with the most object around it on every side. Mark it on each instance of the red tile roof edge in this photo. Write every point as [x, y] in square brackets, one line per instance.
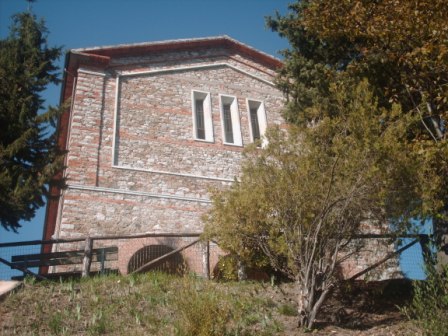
[181, 44]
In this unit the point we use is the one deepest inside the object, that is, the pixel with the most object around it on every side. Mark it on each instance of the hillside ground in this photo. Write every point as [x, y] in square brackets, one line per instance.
[159, 304]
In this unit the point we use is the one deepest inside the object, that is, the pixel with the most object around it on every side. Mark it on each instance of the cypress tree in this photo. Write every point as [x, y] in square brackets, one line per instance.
[28, 155]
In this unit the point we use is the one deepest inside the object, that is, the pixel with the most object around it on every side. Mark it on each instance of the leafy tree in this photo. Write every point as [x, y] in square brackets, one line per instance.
[374, 151]
[400, 46]
[302, 199]
[28, 155]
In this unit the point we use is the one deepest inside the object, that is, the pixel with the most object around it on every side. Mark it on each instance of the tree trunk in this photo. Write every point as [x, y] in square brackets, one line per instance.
[309, 301]
[434, 122]
[316, 307]
[303, 305]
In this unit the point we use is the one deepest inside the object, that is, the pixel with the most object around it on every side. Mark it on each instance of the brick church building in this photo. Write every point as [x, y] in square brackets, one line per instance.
[150, 128]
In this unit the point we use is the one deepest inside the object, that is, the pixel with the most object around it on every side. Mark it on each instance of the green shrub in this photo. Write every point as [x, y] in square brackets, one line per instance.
[202, 311]
[227, 268]
[429, 306]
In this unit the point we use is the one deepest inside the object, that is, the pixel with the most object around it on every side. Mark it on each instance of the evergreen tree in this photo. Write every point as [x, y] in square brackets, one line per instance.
[28, 155]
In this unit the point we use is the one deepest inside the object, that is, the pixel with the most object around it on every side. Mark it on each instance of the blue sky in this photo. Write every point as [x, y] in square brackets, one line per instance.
[88, 23]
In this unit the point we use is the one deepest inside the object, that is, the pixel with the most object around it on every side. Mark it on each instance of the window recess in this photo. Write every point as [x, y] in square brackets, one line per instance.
[257, 120]
[230, 121]
[202, 116]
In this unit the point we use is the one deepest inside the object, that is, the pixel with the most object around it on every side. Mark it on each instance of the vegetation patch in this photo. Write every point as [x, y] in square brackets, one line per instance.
[152, 303]
[161, 304]
[429, 306]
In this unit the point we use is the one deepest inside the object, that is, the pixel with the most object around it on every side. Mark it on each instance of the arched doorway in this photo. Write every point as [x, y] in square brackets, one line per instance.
[173, 264]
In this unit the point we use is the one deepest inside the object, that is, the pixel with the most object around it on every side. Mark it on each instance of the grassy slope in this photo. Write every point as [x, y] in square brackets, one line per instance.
[159, 304]
[149, 304]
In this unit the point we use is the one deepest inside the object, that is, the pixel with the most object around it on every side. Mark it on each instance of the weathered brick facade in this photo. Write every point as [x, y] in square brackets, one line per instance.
[133, 163]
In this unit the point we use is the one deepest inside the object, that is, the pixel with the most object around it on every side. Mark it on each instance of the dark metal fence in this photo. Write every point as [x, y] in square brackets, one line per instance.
[126, 254]
[175, 253]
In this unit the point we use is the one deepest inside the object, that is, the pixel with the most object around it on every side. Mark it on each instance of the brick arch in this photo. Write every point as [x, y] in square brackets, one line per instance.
[128, 249]
[192, 256]
[174, 264]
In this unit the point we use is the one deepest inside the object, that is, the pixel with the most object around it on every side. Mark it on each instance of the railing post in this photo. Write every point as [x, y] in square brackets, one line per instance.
[206, 258]
[87, 257]
[103, 259]
[426, 249]
[26, 266]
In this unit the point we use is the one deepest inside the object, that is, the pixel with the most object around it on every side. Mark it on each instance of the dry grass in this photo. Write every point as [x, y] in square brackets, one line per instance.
[159, 304]
[149, 304]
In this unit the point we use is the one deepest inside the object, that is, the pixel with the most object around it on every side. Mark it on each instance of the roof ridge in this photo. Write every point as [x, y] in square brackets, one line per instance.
[158, 42]
[165, 43]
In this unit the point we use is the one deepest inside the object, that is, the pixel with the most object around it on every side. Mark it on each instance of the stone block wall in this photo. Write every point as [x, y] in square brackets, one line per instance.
[133, 165]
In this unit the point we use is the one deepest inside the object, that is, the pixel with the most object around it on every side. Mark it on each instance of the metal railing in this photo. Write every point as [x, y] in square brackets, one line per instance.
[161, 248]
[161, 251]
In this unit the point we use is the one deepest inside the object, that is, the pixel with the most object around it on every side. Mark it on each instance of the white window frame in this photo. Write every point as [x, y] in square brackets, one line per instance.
[235, 117]
[261, 116]
[208, 120]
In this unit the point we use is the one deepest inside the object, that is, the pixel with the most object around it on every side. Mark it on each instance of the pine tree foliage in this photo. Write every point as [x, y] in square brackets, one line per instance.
[28, 155]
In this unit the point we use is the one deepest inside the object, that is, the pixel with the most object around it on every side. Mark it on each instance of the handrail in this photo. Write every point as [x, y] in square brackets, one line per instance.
[73, 240]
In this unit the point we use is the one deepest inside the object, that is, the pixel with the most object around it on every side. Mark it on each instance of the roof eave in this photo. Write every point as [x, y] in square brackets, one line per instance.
[174, 45]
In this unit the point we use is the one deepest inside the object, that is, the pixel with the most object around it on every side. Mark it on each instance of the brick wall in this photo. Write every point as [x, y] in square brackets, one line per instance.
[133, 165]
